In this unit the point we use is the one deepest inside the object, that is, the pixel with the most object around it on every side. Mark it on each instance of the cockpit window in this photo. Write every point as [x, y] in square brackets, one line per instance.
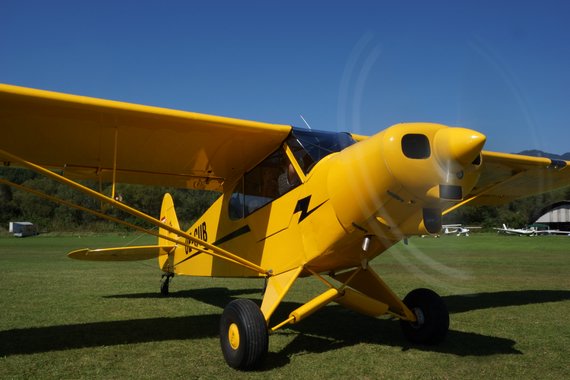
[269, 180]
[416, 146]
[276, 175]
[309, 147]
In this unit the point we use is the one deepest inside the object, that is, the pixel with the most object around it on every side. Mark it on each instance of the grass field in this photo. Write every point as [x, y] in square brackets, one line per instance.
[509, 302]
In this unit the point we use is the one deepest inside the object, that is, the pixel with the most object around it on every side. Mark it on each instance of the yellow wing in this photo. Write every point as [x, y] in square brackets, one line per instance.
[506, 177]
[87, 138]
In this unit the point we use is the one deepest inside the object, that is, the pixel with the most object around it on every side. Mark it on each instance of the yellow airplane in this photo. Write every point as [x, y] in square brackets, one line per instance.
[294, 203]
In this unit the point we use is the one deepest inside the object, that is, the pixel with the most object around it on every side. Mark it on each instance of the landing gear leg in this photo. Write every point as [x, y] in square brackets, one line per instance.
[165, 283]
[264, 286]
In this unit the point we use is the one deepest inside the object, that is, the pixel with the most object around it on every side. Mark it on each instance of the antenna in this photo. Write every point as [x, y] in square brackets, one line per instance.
[305, 121]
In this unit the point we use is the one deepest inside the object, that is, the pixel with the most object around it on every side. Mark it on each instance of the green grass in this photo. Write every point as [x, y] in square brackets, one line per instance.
[509, 300]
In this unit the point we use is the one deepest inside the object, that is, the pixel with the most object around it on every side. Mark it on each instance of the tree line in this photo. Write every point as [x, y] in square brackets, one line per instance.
[17, 205]
[516, 214]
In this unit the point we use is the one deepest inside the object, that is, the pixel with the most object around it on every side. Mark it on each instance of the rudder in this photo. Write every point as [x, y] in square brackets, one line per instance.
[168, 217]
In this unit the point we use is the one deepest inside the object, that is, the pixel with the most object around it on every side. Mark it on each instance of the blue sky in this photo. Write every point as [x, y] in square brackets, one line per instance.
[502, 68]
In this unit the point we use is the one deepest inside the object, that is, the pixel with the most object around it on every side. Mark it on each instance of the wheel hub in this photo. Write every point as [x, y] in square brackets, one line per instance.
[420, 318]
[233, 336]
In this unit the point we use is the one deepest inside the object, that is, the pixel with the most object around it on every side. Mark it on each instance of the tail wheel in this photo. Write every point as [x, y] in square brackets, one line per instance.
[165, 284]
[432, 317]
[243, 334]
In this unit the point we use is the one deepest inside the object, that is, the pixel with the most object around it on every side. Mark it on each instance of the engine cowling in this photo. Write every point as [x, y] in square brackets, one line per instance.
[402, 176]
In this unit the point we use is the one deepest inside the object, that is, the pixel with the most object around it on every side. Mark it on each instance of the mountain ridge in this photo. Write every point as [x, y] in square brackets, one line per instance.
[540, 153]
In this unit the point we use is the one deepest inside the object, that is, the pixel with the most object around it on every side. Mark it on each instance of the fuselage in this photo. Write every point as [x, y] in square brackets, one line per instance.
[326, 202]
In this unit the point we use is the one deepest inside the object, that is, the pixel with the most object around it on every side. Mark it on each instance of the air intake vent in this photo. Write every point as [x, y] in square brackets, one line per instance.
[416, 146]
[450, 192]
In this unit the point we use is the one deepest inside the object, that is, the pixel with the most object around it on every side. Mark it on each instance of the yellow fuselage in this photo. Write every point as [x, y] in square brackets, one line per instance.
[385, 188]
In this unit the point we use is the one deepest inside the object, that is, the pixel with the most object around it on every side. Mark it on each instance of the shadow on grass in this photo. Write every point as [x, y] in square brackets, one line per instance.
[219, 297]
[467, 302]
[98, 334]
[335, 327]
[331, 328]
[56, 338]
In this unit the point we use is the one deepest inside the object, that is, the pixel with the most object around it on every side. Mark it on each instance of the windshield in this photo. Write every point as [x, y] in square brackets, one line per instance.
[309, 147]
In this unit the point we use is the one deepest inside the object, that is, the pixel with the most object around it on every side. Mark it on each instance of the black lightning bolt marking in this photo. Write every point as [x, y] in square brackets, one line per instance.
[303, 207]
[232, 235]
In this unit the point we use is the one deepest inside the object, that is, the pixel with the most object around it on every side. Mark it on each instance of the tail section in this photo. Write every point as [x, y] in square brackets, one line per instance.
[168, 217]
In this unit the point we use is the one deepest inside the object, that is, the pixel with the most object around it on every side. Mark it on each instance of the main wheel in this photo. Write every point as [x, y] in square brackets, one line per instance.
[243, 334]
[432, 316]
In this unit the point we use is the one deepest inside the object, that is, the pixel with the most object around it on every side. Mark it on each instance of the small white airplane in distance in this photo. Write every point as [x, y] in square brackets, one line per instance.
[532, 231]
[456, 229]
[517, 231]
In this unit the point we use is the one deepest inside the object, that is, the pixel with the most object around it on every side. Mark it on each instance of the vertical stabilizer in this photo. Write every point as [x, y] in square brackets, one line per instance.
[168, 217]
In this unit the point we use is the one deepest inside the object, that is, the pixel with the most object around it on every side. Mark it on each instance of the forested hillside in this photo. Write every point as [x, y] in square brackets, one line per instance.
[516, 214]
[16, 205]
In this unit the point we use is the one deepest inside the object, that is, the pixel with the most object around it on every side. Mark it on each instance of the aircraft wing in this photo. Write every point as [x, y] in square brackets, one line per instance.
[506, 177]
[88, 138]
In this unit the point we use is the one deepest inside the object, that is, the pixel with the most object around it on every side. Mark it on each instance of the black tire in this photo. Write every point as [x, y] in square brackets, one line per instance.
[165, 285]
[433, 318]
[243, 335]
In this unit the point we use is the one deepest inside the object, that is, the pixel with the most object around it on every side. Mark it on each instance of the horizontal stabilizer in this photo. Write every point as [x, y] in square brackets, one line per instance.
[121, 253]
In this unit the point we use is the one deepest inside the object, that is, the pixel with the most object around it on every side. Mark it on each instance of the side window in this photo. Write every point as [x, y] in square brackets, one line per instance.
[269, 180]
[236, 208]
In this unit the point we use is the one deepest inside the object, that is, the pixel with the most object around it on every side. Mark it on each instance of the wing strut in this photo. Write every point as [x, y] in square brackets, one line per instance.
[90, 211]
[207, 248]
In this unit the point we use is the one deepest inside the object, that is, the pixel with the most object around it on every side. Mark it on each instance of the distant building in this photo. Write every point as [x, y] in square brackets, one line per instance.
[556, 216]
[22, 229]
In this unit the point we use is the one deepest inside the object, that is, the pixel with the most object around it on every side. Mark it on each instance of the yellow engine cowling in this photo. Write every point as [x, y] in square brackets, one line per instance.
[402, 176]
